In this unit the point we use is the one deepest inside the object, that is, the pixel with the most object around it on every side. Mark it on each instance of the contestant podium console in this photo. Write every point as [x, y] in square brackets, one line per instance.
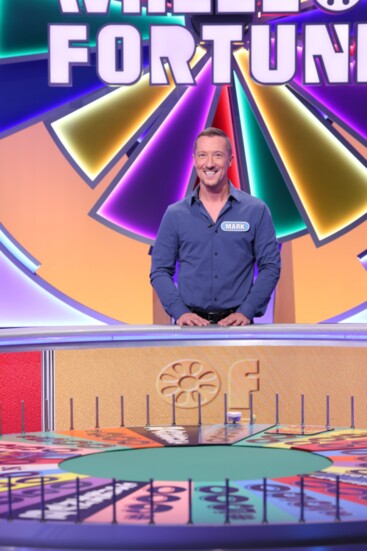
[135, 446]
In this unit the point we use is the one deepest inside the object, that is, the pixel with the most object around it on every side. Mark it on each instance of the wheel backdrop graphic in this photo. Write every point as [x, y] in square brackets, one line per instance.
[143, 121]
[302, 149]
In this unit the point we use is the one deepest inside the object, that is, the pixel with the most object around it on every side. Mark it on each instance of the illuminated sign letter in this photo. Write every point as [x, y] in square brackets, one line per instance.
[127, 69]
[134, 6]
[69, 6]
[176, 45]
[192, 6]
[332, 51]
[91, 6]
[280, 6]
[131, 6]
[236, 6]
[157, 6]
[361, 32]
[62, 55]
[262, 68]
[222, 37]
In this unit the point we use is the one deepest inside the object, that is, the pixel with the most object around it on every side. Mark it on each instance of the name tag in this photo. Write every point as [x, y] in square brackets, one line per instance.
[235, 226]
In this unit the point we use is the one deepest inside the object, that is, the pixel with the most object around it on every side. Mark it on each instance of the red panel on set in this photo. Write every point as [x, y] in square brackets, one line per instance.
[20, 379]
[223, 119]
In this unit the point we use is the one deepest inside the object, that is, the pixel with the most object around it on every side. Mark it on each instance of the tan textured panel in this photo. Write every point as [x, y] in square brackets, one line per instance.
[136, 372]
[243, 378]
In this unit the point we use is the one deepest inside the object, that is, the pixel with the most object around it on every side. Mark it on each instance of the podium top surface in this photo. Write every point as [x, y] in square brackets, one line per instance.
[99, 336]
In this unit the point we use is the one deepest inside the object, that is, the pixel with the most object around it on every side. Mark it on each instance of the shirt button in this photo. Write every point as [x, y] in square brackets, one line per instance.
[216, 231]
[215, 300]
[216, 254]
[215, 277]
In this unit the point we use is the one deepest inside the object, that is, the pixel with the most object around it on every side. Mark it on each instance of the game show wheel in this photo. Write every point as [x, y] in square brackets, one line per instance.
[54, 477]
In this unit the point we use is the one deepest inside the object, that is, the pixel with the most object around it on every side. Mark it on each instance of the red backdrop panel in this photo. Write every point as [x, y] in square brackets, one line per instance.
[20, 379]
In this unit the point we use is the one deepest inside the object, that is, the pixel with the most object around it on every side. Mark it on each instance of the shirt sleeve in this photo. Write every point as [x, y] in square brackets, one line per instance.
[164, 258]
[267, 257]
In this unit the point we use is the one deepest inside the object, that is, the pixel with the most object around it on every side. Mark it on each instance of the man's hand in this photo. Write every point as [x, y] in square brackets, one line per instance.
[235, 319]
[192, 320]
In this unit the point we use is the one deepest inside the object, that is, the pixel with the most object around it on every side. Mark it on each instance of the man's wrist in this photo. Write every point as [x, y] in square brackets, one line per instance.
[247, 311]
[179, 311]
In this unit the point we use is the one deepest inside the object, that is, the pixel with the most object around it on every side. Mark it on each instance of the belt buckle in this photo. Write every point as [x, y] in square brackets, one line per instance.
[214, 317]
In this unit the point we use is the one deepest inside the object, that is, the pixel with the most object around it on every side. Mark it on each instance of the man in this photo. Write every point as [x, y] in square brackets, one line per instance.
[216, 235]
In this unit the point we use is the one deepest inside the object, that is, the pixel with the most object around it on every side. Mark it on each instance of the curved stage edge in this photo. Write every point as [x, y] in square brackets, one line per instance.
[79, 536]
[53, 337]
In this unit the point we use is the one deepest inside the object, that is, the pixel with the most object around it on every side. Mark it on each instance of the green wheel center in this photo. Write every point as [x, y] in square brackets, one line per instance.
[200, 463]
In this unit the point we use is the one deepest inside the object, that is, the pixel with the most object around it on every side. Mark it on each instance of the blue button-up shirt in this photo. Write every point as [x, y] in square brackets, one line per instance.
[216, 260]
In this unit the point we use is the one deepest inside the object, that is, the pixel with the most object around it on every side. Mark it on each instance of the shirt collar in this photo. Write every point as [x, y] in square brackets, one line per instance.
[233, 194]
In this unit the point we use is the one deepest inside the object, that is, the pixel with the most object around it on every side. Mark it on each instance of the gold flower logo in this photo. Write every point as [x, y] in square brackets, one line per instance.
[185, 380]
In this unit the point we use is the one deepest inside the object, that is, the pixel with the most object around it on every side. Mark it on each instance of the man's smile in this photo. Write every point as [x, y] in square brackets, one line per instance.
[212, 159]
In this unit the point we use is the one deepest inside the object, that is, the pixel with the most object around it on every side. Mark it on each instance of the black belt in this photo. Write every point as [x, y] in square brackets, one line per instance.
[212, 316]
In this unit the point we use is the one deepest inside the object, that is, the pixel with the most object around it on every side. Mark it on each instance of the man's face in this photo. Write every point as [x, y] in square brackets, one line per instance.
[212, 160]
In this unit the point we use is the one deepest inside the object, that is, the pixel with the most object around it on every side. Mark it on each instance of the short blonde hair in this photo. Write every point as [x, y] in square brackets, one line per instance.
[211, 132]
